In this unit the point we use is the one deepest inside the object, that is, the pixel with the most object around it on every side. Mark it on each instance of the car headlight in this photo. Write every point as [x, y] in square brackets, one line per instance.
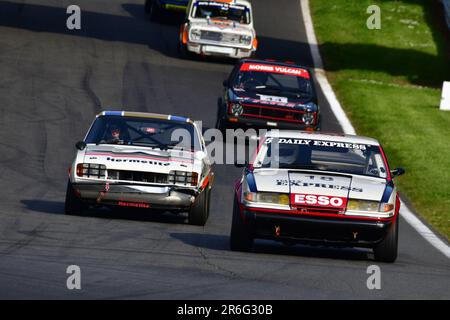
[365, 205]
[308, 118]
[236, 109]
[267, 197]
[245, 39]
[91, 170]
[195, 34]
[183, 177]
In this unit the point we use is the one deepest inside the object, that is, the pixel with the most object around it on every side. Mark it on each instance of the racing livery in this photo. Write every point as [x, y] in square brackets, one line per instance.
[155, 7]
[141, 160]
[218, 28]
[269, 94]
[319, 189]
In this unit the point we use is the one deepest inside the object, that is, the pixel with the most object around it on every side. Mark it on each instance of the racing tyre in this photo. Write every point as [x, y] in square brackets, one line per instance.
[240, 239]
[220, 122]
[200, 209]
[147, 6]
[386, 250]
[153, 10]
[73, 204]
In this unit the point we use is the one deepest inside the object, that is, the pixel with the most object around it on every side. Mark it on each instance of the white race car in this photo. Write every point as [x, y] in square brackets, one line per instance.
[141, 160]
[219, 28]
[317, 188]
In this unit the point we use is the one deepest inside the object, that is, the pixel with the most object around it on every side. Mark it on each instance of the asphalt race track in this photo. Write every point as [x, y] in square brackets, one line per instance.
[52, 83]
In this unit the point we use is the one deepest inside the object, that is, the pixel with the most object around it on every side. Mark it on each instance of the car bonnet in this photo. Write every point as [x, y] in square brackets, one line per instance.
[319, 183]
[139, 159]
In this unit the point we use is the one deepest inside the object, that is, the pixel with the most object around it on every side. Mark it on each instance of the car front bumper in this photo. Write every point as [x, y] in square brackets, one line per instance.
[131, 195]
[315, 230]
[239, 121]
[218, 50]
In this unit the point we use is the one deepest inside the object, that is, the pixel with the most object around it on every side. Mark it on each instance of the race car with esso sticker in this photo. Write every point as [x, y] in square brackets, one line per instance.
[155, 8]
[221, 28]
[314, 188]
[142, 160]
[269, 94]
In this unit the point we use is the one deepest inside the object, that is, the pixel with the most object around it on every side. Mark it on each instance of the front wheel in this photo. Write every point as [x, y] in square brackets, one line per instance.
[147, 6]
[386, 250]
[73, 205]
[198, 215]
[240, 238]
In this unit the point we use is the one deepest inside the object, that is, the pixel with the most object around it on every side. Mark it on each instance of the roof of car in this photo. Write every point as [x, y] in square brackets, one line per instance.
[276, 62]
[296, 134]
[144, 115]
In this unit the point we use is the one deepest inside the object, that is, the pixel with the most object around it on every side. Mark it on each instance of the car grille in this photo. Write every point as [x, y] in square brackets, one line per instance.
[272, 113]
[137, 176]
[222, 37]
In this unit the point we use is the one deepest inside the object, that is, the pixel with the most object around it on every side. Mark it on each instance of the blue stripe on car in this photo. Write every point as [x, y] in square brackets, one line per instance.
[387, 192]
[176, 118]
[251, 182]
[112, 113]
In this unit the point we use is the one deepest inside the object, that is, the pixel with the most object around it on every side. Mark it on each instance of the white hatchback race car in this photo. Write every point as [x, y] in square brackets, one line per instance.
[318, 189]
[141, 160]
[218, 28]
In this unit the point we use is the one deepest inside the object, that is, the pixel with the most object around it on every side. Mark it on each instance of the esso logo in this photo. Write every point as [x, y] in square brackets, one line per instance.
[316, 200]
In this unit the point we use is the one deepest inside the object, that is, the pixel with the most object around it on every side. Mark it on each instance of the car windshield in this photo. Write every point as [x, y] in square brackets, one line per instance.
[221, 10]
[351, 158]
[147, 132]
[272, 79]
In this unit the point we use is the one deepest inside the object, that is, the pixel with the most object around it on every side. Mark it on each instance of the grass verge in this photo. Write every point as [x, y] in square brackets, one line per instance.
[389, 82]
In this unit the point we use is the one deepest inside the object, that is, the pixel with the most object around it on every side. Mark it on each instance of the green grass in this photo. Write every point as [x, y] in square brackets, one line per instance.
[389, 82]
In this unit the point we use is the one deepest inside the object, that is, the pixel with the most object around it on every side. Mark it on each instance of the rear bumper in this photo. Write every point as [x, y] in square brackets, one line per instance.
[130, 195]
[315, 230]
[233, 121]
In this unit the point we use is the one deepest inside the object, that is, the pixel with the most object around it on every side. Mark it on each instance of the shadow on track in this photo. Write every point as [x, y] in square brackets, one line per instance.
[163, 38]
[57, 207]
[221, 243]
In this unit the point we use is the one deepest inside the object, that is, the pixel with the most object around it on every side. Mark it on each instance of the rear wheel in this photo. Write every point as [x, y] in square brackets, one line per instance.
[198, 215]
[386, 250]
[240, 238]
[73, 204]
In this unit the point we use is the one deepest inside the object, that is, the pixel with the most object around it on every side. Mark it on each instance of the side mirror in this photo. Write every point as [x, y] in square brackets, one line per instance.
[80, 145]
[225, 83]
[397, 172]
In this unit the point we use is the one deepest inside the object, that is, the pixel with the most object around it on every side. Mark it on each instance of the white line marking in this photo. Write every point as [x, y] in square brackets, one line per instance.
[348, 128]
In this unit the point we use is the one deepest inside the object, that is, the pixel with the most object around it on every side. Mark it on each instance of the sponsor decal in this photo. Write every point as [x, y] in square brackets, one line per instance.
[155, 160]
[259, 67]
[318, 200]
[156, 163]
[325, 185]
[222, 5]
[133, 204]
[319, 143]
[273, 98]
